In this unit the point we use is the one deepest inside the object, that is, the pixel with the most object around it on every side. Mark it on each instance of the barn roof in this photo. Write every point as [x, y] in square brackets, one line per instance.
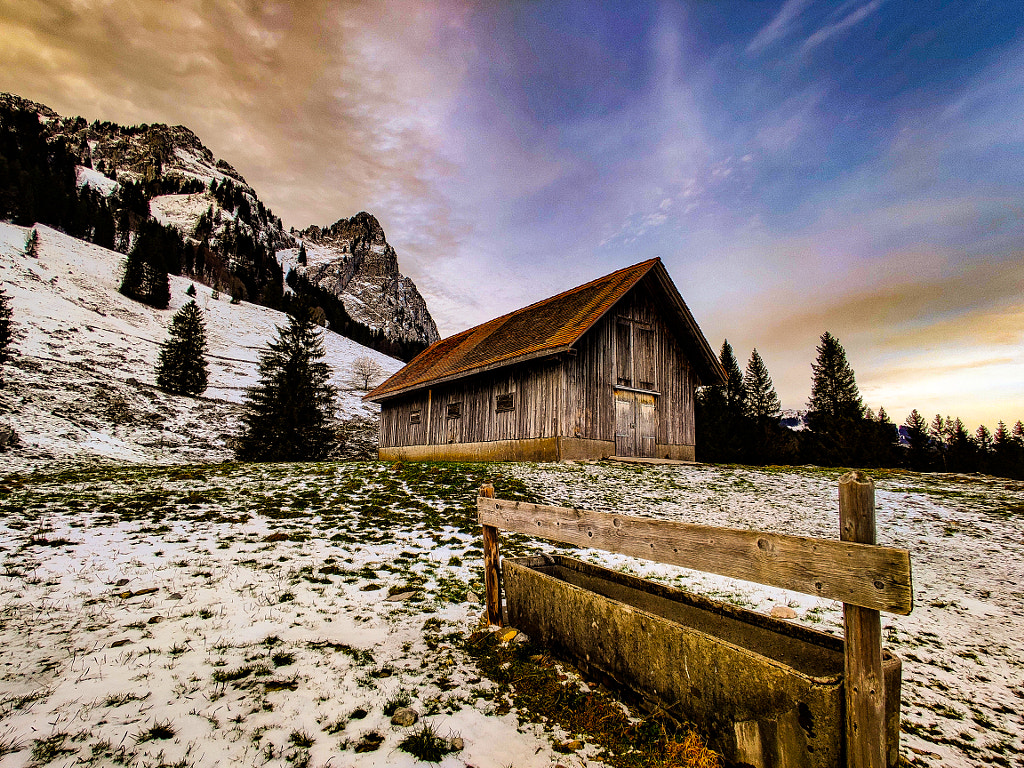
[547, 328]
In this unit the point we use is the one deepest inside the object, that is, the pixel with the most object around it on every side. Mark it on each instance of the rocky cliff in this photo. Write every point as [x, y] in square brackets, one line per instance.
[354, 261]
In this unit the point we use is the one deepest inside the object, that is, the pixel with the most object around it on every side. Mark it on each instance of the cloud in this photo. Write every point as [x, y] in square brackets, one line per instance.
[778, 27]
[819, 36]
[326, 108]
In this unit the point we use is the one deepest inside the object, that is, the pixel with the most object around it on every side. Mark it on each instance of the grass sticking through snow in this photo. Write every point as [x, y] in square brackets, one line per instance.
[425, 744]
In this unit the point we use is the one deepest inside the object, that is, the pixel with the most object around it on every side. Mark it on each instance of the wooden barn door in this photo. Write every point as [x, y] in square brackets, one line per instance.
[636, 423]
[625, 424]
[647, 424]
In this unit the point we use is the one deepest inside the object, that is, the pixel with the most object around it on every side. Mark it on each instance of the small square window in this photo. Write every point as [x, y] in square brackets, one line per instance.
[454, 410]
[505, 403]
[414, 417]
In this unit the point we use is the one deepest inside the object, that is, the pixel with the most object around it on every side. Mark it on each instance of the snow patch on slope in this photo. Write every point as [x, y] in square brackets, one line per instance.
[87, 177]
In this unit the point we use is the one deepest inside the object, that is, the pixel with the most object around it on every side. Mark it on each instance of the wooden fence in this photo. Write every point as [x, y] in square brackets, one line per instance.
[865, 577]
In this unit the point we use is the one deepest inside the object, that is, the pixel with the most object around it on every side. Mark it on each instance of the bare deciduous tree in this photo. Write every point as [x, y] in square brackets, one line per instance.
[365, 372]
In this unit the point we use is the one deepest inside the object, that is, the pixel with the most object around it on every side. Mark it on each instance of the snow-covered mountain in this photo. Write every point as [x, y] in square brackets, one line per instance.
[354, 261]
[794, 419]
[82, 380]
[213, 208]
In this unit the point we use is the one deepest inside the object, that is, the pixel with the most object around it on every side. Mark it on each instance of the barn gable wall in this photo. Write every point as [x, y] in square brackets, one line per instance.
[591, 376]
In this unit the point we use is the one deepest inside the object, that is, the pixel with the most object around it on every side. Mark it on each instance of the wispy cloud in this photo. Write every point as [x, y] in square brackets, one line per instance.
[856, 16]
[778, 27]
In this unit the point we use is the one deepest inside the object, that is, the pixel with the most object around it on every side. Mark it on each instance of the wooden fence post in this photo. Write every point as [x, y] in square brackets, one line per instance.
[492, 566]
[864, 680]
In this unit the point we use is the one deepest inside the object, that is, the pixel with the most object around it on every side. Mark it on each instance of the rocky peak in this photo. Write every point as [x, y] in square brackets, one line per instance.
[358, 265]
[362, 228]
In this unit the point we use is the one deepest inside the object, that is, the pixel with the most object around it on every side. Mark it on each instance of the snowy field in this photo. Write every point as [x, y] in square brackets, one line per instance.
[270, 614]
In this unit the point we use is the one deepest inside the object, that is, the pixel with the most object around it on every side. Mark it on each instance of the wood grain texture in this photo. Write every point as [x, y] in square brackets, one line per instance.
[864, 680]
[492, 565]
[857, 574]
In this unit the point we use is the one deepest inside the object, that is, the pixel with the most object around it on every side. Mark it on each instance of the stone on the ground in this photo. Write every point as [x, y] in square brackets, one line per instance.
[404, 717]
[783, 612]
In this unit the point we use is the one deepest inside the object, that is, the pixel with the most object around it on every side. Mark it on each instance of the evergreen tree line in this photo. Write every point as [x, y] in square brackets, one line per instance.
[740, 421]
[38, 184]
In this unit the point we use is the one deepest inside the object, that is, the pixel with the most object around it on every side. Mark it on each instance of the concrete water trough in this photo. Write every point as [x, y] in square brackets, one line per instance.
[767, 693]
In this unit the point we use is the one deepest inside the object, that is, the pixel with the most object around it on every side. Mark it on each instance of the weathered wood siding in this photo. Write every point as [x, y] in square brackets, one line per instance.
[536, 395]
[590, 376]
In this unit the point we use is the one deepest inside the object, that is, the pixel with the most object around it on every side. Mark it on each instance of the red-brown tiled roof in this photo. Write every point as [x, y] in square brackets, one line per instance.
[543, 328]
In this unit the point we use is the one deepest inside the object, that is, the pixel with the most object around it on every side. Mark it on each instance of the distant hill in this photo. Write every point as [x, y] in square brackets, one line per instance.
[116, 185]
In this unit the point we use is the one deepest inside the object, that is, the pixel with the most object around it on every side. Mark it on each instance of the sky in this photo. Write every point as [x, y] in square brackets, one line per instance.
[852, 166]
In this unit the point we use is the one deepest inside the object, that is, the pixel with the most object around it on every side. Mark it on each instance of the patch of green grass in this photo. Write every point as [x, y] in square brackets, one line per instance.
[120, 699]
[232, 675]
[159, 730]
[283, 659]
[281, 684]
[425, 744]
[301, 739]
[336, 727]
[369, 742]
[55, 746]
[396, 702]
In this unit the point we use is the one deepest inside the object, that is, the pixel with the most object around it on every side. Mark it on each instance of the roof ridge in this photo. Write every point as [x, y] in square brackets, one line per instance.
[567, 292]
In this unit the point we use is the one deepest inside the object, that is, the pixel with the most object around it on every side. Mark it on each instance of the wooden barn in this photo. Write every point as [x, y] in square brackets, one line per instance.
[606, 369]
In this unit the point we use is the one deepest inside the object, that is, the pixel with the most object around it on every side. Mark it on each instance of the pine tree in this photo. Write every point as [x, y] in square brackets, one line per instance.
[32, 244]
[6, 327]
[181, 369]
[983, 437]
[735, 393]
[835, 410]
[762, 408]
[191, 291]
[961, 447]
[937, 432]
[834, 392]
[762, 403]
[917, 436]
[721, 424]
[145, 273]
[287, 413]
[302, 254]
[1009, 448]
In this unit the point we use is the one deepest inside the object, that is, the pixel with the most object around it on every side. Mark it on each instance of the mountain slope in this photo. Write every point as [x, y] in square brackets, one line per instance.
[81, 383]
[128, 175]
